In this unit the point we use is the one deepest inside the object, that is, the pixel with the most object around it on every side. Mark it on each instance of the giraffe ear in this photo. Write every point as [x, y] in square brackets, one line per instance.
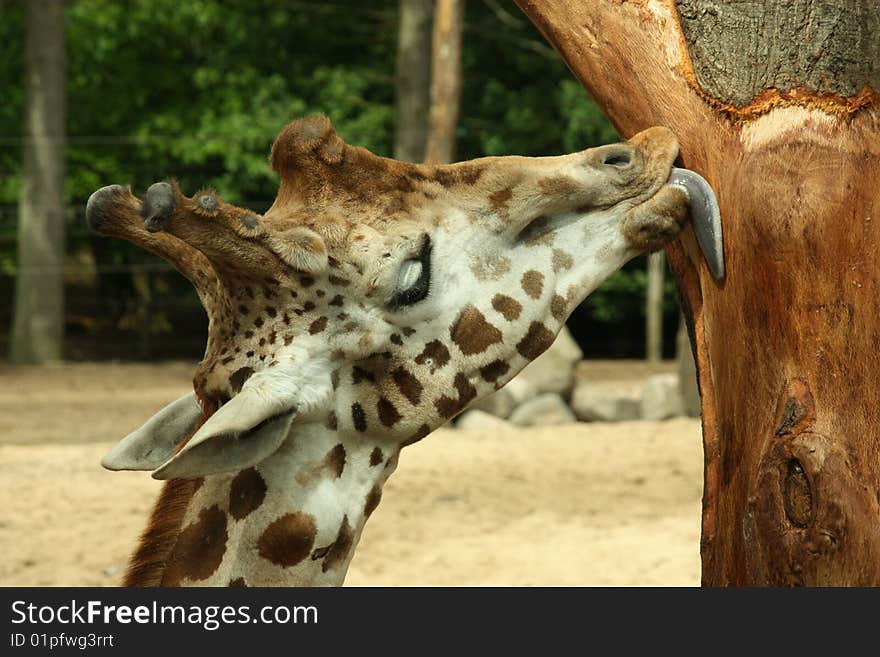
[150, 446]
[228, 452]
[252, 425]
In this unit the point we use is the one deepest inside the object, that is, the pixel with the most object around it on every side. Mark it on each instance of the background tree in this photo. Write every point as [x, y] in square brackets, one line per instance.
[413, 79]
[776, 105]
[654, 308]
[445, 81]
[39, 294]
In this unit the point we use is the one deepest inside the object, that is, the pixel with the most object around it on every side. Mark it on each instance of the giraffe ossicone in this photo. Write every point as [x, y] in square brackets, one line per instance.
[372, 302]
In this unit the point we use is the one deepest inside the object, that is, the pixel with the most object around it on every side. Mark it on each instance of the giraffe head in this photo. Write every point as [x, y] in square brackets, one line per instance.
[381, 297]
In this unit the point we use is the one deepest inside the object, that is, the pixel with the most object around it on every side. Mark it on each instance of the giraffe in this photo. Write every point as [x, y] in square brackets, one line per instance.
[371, 303]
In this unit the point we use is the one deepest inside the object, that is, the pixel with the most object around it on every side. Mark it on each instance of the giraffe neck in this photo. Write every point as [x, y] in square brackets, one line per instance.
[293, 520]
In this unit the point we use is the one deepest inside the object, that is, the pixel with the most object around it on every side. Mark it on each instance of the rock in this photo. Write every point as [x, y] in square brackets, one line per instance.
[520, 391]
[477, 420]
[500, 403]
[661, 398]
[553, 371]
[593, 403]
[544, 410]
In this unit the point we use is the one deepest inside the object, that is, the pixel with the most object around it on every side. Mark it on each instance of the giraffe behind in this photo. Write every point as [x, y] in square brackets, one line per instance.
[370, 304]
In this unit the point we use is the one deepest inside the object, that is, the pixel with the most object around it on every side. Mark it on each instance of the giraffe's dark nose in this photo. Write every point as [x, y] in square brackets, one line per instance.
[158, 206]
[101, 206]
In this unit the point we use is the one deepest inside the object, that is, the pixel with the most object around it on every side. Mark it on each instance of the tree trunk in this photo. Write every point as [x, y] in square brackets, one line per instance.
[413, 79]
[654, 308]
[445, 81]
[776, 104]
[38, 323]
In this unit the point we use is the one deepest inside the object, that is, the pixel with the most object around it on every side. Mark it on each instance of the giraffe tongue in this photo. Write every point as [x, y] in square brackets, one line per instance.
[705, 217]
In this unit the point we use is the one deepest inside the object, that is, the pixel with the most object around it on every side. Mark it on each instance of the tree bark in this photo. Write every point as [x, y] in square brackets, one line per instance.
[775, 104]
[445, 81]
[654, 308]
[38, 323]
[413, 79]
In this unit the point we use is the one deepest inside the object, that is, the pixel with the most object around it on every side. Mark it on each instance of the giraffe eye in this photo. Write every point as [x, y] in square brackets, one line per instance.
[414, 278]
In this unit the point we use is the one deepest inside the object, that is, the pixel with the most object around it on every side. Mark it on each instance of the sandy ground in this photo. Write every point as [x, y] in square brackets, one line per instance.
[582, 504]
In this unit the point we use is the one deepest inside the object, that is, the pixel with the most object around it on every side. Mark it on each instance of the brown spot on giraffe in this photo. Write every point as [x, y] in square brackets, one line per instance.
[388, 413]
[246, 493]
[373, 499]
[359, 374]
[562, 261]
[533, 283]
[237, 583]
[498, 200]
[436, 352]
[321, 552]
[338, 553]
[408, 385]
[358, 417]
[288, 539]
[318, 325]
[334, 461]
[472, 333]
[494, 370]
[419, 433]
[448, 406]
[376, 457]
[536, 341]
[509, 307]
[200, 548]
[332, 422]
[558, 307]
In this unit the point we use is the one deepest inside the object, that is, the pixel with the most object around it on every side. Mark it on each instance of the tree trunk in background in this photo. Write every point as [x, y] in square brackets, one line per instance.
[413, 79]
[38, 323]
[445, 81]
[654, 308]
[776, 105]
[687, 372]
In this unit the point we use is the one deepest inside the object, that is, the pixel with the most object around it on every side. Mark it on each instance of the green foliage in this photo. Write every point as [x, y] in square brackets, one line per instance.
[197, 90]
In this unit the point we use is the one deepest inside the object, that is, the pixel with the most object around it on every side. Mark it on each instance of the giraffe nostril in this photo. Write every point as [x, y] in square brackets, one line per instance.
[617, 159]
